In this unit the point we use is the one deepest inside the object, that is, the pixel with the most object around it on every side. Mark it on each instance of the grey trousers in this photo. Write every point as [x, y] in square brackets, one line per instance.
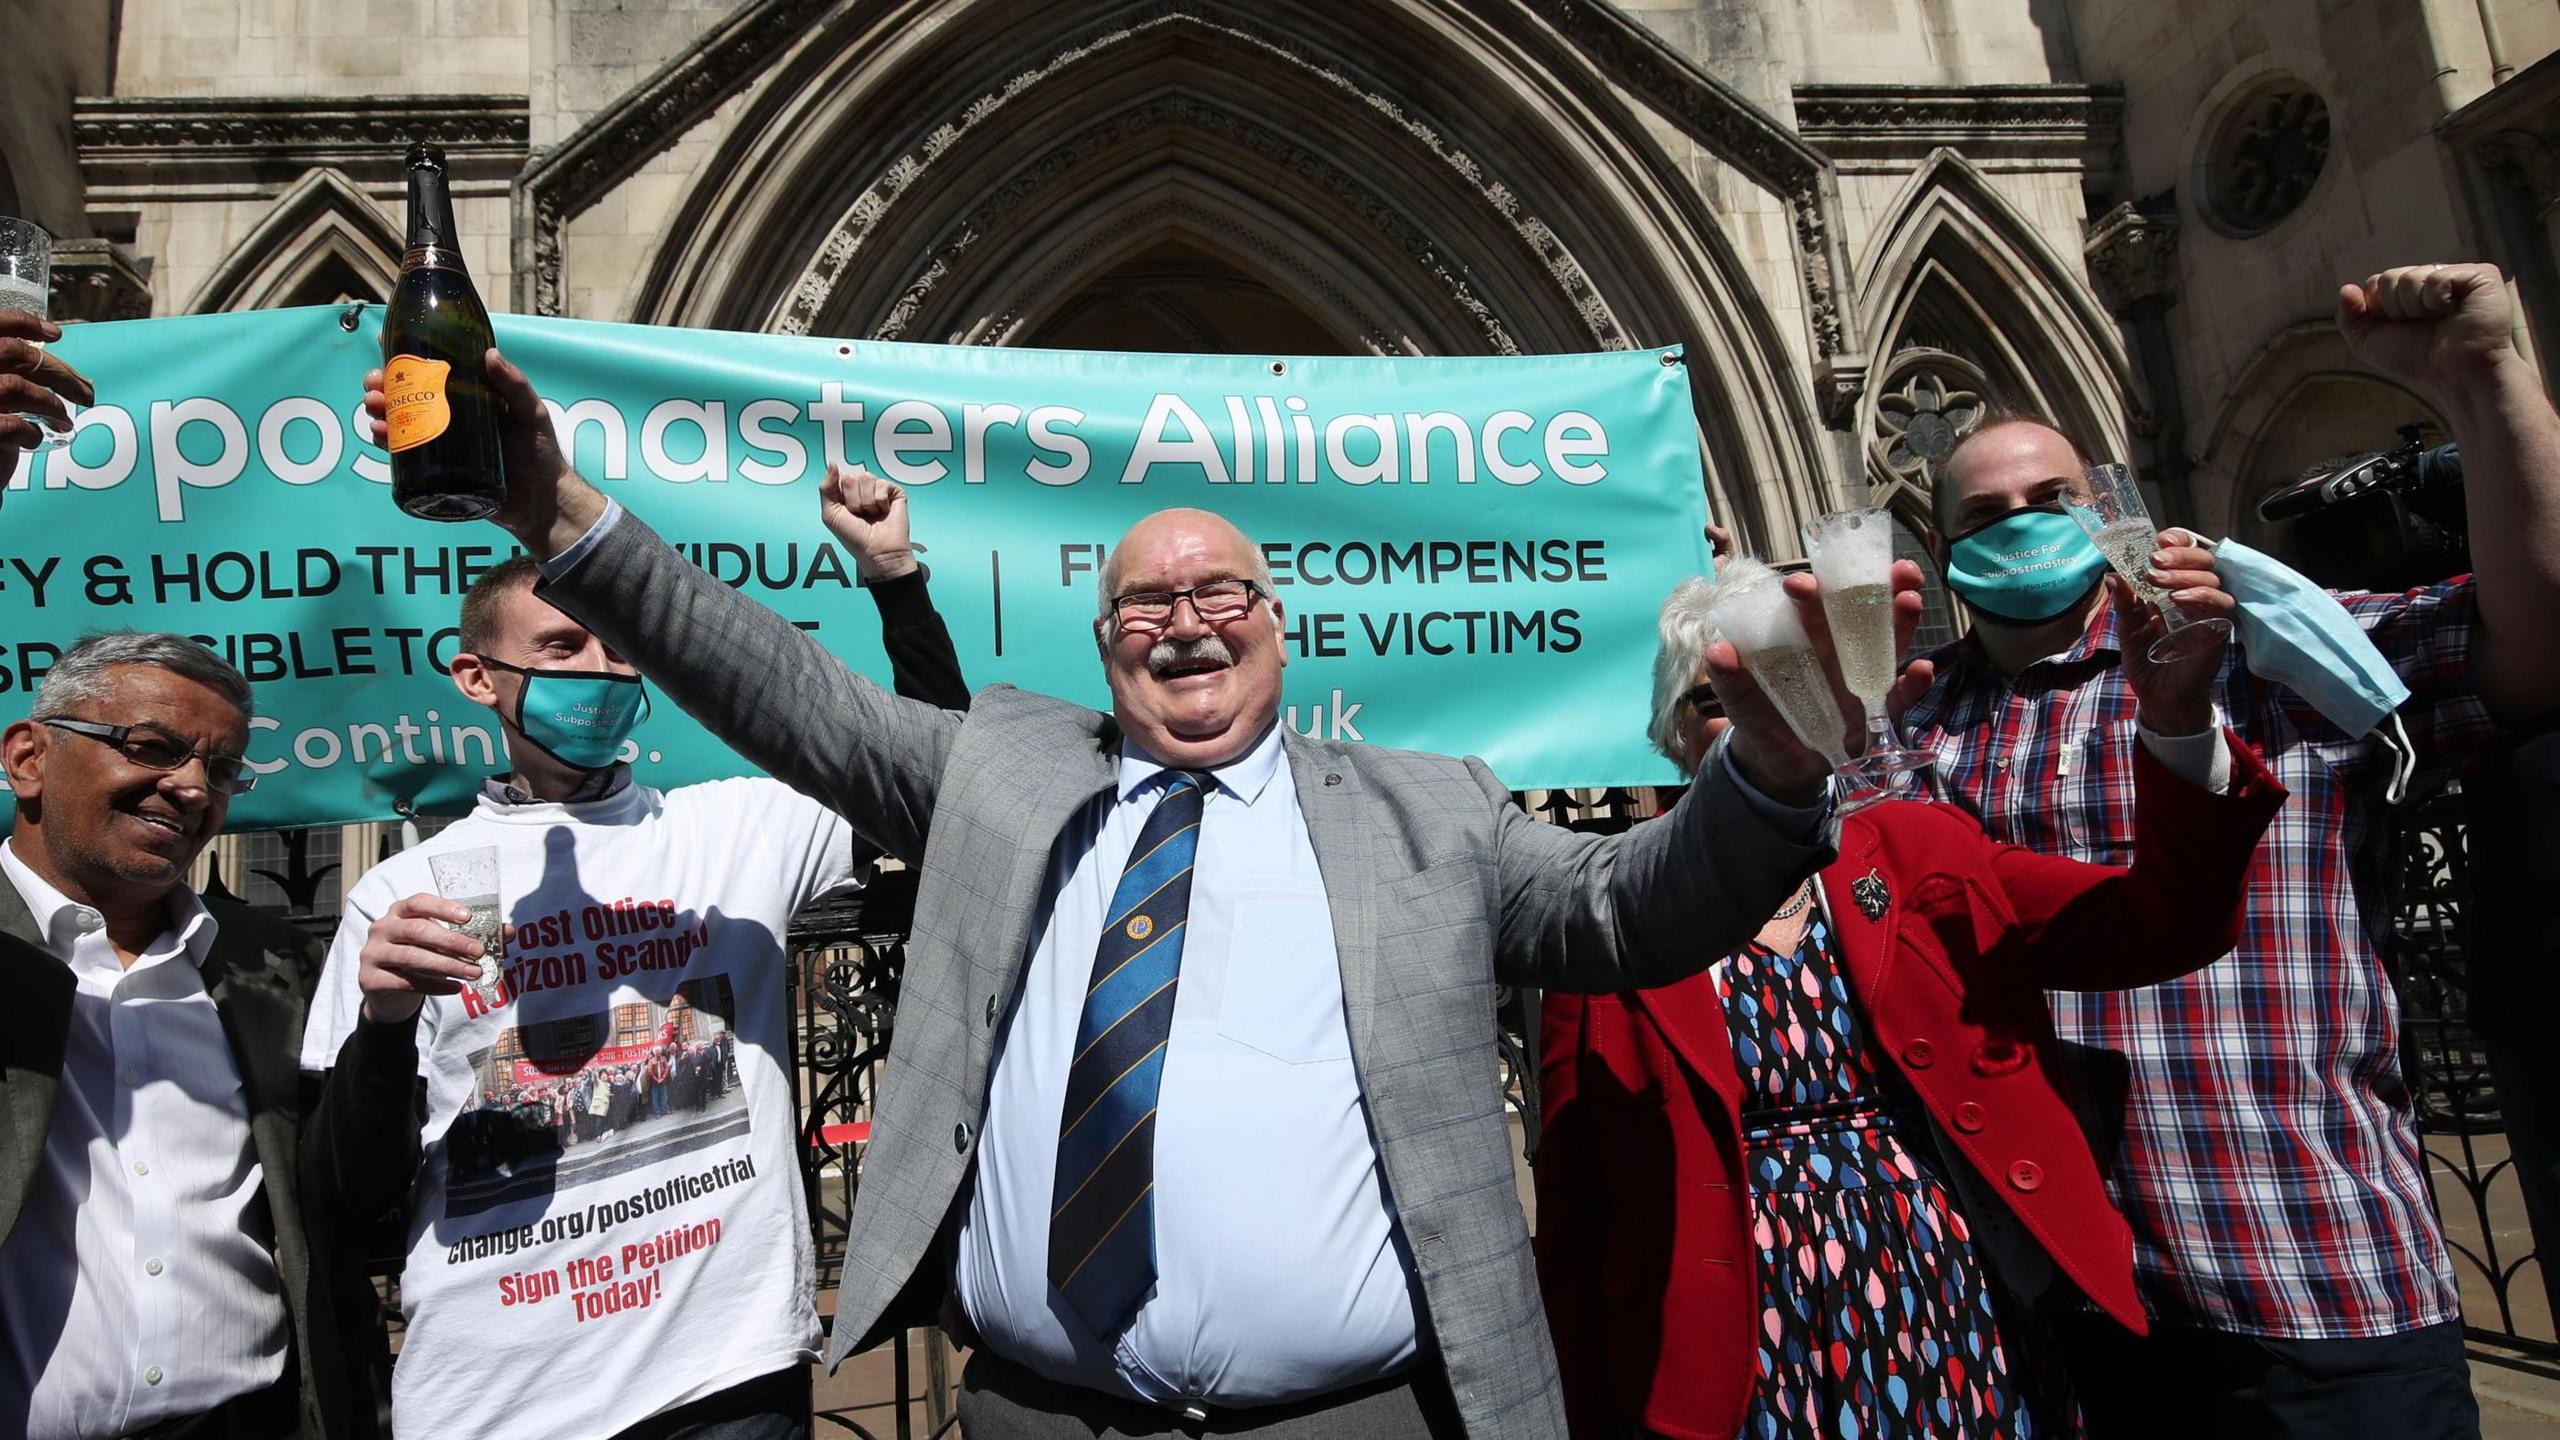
[1000, 1400]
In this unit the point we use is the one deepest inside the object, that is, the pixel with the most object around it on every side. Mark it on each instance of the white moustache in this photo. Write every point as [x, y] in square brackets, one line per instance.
[1168, 653]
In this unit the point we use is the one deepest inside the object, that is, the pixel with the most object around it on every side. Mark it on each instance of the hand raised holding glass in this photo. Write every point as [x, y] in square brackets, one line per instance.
[1853, 561]
[2119, 524]
[1777, 673]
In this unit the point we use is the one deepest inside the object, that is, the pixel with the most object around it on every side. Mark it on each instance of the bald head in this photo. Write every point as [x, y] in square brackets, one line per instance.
[2007, 463]
[1190, 691]
[1107, 586]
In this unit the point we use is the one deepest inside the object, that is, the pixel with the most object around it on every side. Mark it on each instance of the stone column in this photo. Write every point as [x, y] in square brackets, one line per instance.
[2133, 259]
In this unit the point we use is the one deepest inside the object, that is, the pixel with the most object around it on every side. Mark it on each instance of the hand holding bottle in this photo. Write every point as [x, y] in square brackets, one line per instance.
[548, 506]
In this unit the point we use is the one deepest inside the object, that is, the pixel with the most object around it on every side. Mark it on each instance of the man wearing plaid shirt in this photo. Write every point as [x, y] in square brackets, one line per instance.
[2253, 1117]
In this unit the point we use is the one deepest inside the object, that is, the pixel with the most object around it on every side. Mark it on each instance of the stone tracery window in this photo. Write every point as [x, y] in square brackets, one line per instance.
[2265, 156]
[1926, 400]
[1918, 422]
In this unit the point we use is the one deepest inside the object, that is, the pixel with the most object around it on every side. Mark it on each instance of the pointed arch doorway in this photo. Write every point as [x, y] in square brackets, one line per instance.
[1414, 177]
[1175, 297]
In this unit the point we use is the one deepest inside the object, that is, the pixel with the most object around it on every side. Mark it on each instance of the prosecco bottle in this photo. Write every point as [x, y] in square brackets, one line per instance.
[447, 461]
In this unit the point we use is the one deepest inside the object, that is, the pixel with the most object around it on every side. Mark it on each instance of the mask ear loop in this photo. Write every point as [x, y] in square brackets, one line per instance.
[2404, 760]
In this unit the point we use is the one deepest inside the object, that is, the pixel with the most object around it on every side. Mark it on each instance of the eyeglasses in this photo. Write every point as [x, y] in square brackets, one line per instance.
[1702, 698]
[154, 751]
[1215, 603]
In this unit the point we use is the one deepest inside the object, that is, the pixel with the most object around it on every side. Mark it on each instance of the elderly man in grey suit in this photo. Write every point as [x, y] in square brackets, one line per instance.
[1192, 1118]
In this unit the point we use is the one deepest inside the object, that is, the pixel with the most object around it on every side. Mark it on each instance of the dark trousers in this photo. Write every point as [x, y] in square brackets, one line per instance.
[769, 1407]
[2528, 1080]
[2195, 1384]
[1000, 1400]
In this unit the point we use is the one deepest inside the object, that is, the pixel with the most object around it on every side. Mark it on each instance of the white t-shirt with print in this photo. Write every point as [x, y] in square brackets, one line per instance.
[609, 1220]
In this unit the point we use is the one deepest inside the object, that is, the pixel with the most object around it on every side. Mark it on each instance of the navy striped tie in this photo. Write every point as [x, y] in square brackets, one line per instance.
[1102, 1245]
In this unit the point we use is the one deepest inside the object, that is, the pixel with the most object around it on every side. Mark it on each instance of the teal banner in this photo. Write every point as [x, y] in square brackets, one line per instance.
[1469, 553]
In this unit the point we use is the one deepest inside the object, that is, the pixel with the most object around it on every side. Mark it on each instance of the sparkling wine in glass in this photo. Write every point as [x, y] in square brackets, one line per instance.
[2119, 524]
[1751, 610]
[1852, 554]
[470, 878]
[26, 283]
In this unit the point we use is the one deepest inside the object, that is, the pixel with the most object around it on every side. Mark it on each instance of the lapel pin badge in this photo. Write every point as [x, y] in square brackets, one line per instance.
[1872, 895]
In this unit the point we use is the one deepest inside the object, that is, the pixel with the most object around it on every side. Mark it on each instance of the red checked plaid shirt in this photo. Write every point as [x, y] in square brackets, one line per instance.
[2252, 1117]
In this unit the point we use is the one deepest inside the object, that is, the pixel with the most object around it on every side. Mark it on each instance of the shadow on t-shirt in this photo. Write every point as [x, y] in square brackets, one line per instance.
[643, 1075]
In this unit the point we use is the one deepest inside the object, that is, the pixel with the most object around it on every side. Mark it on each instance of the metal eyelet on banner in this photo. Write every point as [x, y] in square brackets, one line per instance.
[1671, 358]
[352, 316]
[1279, 367]
[844, 352]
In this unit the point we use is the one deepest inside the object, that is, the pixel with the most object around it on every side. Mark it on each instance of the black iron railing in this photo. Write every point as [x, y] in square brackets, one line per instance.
[2452, 1092]
[847, 958]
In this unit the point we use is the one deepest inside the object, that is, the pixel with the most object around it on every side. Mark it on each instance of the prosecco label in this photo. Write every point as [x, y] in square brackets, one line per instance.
[414, 400]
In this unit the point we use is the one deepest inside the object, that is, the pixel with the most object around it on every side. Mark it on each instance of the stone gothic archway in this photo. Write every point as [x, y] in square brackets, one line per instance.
[324, 240]
[1969, 305]
[1412, 177]
[2303, 398]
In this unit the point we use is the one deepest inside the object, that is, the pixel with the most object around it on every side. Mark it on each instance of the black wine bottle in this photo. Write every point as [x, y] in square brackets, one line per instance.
[447, 460]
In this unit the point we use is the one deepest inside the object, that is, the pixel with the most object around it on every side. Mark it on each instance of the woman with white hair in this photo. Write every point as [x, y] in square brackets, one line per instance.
[1829, 1186]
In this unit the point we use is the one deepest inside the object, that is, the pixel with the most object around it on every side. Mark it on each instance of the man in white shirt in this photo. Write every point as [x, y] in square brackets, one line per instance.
[602, 1171]
[157, 1274]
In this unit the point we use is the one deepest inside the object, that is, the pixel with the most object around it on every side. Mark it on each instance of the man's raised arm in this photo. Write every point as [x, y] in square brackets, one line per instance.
[1656, 904]
[754, 679]
[1662, 901]
[2448, 331]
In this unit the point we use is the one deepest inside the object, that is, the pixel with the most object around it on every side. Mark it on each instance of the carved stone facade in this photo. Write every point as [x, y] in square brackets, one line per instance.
[1857, 221]
[98, 280]
[2133, 257]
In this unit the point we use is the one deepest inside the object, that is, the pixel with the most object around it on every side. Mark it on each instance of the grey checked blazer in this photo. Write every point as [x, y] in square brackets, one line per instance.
[1438, 885]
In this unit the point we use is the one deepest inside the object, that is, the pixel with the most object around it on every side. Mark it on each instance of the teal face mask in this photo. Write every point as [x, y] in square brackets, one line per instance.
[578, 717]
[2297, 634]
[2028, 565]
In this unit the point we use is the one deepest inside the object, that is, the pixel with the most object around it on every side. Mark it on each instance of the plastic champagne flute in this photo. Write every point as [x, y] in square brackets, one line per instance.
[1750, 609]
[26, 283]
[2120, 526]
[1852, 552]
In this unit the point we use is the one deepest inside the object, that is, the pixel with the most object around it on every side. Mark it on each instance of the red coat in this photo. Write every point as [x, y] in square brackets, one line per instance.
[1644, 1240]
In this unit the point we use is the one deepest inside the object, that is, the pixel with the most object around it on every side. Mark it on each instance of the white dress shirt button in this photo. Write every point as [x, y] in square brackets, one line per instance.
[118, 1298]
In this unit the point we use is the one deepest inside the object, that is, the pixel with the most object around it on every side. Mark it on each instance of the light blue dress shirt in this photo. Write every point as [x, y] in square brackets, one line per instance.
[1279, 1275]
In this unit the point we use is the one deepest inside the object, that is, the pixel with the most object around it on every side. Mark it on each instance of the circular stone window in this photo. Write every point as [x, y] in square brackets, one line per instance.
[2265, 156]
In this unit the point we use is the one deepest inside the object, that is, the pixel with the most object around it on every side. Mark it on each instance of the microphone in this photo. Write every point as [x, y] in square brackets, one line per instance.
[2405, 469]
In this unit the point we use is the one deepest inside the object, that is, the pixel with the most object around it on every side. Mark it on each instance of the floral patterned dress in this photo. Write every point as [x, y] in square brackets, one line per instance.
[1877, 1318]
